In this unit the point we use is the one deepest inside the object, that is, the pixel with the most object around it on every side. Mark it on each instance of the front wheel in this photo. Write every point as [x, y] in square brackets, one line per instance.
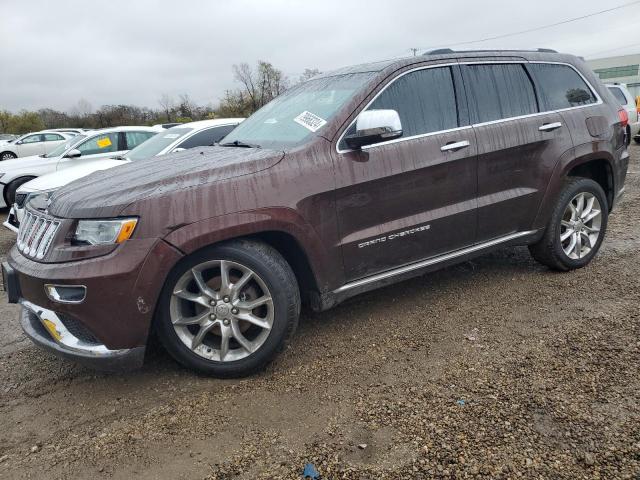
[228, 310]
[576, 228]
[7, 156]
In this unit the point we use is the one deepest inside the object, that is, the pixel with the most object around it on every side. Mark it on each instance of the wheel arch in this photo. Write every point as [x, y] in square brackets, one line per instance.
[315, 269]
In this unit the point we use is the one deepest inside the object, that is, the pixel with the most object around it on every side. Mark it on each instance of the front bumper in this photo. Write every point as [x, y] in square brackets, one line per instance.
[12, 221]
[47, 330]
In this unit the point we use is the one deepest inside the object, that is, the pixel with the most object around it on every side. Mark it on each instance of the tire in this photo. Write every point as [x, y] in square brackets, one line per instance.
[554, 249]
[637, 139]
[185, 309]
[12, 187]
[628, 135]
[7, 156]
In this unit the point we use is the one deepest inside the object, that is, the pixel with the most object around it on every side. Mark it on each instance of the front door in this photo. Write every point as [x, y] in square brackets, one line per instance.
[414, 197]
[98, 147]
[31, 145]
[518, 146]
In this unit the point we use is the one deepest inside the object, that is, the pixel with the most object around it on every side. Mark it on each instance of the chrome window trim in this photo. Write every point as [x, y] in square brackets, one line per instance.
[431, 261]
[491, 122]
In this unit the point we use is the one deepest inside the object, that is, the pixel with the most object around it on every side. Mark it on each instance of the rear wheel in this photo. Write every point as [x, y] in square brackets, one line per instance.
[576, 228]
[227, 311]
[7, 156]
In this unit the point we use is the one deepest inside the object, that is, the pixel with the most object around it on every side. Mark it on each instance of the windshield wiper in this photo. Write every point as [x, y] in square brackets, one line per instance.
[239, 143]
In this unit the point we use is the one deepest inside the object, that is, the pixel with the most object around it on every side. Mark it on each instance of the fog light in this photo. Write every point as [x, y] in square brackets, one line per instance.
[66, 293]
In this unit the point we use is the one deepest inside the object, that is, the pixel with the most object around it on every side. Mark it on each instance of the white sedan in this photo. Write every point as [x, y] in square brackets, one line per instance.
[36, 143]
[182, 137]
[81, 149]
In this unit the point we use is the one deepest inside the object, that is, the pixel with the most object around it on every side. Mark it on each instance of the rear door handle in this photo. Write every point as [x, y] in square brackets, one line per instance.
[454, 146]
[547, 127]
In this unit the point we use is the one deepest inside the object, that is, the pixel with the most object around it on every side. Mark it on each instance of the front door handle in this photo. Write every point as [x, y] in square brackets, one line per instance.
[547, 127]
[454, 146]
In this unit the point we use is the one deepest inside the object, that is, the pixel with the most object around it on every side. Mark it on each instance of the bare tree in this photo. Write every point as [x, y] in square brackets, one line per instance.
[167, 103]
[308, 74]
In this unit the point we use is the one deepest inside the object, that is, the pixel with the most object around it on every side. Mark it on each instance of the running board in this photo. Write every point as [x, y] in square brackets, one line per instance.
[431, 261]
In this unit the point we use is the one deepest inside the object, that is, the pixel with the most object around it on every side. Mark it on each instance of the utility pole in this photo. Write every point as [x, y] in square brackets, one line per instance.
[414, 50]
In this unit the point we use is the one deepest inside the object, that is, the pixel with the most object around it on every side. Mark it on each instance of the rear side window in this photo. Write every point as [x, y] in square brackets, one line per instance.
[136, 138]
[561, 86]
[619, 95]
[207, 137]
[499, 91]
[52, 137]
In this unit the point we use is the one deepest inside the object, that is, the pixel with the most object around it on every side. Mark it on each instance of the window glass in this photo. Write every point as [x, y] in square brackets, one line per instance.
[136, 138]
[299, 113]
[106, 143]
[60, 149]
[32, 139]
[52, 137]
[499, 91]
[561, 86]
[425, 101]
[619, 95]
[207, 137]
[158, 143]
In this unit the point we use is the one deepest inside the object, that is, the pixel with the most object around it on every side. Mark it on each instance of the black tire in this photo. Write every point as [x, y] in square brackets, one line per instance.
[637, 139]
[274, 271]
[12, 187]
[628, 135]
[7, 156]
[549, 250]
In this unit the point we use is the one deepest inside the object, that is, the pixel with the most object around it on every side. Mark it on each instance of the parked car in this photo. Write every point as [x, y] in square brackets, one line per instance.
[37, 143]
[188, 135]
[353, 180]
[625, 98]
[5, 137]
[72, 131]
[77, 150]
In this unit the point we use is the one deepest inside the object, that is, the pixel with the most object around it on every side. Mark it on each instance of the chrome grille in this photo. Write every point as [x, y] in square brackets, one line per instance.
[36, 234]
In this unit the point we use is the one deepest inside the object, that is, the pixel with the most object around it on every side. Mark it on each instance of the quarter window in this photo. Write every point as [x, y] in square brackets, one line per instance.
[499, 91]
[619, 95]
[561, 86]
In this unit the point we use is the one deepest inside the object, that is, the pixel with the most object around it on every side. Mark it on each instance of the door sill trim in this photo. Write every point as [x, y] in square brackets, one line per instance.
[431, 261]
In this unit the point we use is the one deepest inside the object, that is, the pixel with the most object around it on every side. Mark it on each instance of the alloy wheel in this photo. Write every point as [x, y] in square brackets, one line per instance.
[221, 310]
[580, 225]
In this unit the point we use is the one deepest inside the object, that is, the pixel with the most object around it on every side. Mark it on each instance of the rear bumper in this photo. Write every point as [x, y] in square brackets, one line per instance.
[47, 330]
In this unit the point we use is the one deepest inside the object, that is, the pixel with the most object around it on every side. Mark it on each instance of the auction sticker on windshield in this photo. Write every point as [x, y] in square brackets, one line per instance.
[310, 121]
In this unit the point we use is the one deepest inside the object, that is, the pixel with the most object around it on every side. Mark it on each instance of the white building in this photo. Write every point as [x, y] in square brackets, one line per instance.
[623, 69]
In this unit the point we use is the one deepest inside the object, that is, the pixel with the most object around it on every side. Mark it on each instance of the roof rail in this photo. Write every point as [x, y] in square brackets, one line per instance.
[444, 51]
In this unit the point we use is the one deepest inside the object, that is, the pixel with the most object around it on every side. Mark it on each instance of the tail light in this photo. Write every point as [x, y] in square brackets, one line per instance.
[624, 117]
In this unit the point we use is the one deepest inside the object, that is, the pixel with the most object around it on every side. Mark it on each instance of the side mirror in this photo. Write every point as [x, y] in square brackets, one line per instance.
[375, 126]
[75, 153]
[178, 149]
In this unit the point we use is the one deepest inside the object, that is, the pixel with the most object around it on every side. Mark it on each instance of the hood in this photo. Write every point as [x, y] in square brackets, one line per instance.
[24, 163]
[56, 180]
[107, 193]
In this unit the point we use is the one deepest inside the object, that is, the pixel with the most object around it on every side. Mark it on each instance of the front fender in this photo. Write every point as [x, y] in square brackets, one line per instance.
[325, 265]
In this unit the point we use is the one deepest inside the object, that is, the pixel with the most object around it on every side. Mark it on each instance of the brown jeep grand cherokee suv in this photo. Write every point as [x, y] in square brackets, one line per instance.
[353, 180]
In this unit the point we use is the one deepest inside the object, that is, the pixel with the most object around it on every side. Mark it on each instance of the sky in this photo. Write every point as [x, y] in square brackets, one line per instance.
[54, 53]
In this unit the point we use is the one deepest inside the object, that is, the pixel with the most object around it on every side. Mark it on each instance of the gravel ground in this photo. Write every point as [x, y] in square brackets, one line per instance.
[494, 368]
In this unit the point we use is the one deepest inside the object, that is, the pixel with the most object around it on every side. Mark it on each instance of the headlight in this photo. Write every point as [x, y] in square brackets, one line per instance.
[38, 200]
[101, 232]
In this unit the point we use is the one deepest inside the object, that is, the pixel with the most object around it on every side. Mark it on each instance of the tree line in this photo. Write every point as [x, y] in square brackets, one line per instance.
[257, 86]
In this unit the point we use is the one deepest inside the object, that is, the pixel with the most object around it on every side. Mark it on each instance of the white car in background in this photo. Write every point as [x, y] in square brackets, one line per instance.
[82, 149]
[625, 98]
[182, 137]
[36, 143]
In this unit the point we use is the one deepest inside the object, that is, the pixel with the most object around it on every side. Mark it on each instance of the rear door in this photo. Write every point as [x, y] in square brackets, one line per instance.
[51, 141]
[518, 146]
[414, 197]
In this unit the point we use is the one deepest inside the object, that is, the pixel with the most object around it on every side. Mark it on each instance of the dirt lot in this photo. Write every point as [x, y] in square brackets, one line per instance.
[497, 367]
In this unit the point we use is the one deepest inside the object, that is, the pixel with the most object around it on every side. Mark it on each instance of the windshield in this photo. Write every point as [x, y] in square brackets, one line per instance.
[65, 146]
[292, 118]
[156, 144]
